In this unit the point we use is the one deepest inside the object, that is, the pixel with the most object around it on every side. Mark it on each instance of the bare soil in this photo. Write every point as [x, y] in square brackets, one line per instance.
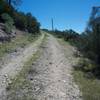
[50, 76]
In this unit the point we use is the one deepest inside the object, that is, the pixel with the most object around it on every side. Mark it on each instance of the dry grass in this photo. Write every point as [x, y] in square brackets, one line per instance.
[19, 41]
[90, 87]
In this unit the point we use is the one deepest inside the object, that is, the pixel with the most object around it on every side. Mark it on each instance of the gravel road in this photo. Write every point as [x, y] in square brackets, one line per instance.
[10, 69]
[53, 79]
[50, 76]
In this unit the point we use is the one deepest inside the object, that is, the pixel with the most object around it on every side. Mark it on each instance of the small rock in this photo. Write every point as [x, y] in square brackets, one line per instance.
[31, 78]
[50, 63]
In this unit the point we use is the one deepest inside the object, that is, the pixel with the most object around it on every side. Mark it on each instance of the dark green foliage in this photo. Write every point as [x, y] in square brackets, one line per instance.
[26, 22]
[13, 2]
[22, 21]
[70, 35]
[32, 24]
[91, 38]
[67, 35]
[89, 43]
[8, 20]
[85, 65]
[4, 7]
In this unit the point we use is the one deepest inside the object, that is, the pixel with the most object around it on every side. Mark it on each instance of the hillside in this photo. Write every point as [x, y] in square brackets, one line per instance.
[49, 64]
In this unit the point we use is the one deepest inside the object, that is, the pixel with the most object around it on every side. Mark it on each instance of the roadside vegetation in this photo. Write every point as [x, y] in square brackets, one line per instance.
[87, 82]
[12, 20]
[90, 87]
[10, 16]
[87, 70]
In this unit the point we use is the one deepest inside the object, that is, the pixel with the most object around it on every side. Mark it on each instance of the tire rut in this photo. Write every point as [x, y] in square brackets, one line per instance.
[53, 80]
[11, 69]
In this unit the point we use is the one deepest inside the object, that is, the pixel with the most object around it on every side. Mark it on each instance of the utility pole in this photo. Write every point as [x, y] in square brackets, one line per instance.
[52, 24]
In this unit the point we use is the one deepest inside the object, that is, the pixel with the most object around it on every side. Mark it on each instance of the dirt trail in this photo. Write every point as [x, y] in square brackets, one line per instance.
[50, 76]
[53, 80]
[11, 69]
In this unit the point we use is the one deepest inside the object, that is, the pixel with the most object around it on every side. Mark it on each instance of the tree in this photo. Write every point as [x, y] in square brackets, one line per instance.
[14, 2]
[4, 7]
[93, 34]
[20, 20]
[32, 24]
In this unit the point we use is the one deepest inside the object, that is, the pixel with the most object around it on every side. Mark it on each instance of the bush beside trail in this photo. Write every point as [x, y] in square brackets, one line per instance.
[11, 18]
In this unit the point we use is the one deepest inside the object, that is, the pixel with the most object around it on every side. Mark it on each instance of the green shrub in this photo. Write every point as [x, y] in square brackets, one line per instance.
[85, 65]
[7, 28]
[90, 87]
[8, 20]
[20, 20]
[26, 22]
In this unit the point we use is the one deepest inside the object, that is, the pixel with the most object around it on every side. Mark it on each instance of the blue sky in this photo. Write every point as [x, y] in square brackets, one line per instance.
[67, 14]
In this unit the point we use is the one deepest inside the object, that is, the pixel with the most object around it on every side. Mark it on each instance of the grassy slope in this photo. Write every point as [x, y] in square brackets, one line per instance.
[19, 41]
[90, 87]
